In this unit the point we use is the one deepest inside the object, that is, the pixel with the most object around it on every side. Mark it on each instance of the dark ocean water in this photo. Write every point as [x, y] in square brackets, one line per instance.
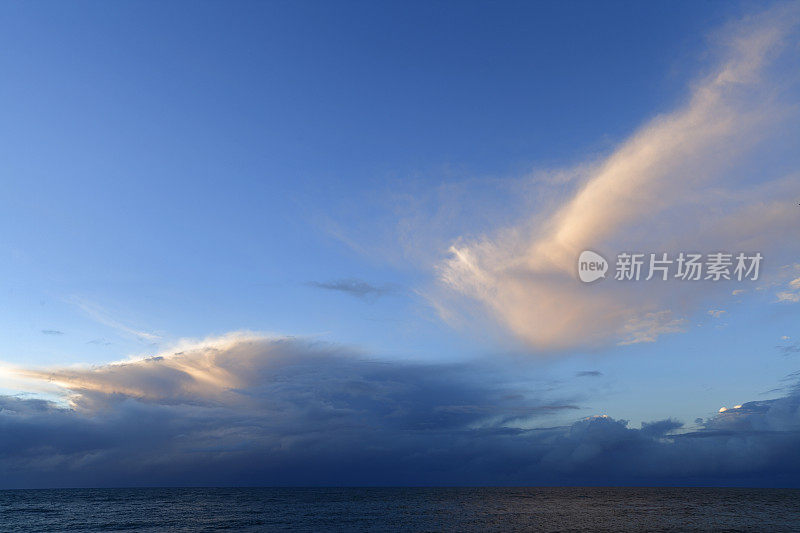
[407, 509]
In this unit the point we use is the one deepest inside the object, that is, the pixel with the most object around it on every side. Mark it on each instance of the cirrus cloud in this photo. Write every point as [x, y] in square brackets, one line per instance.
[676, 184]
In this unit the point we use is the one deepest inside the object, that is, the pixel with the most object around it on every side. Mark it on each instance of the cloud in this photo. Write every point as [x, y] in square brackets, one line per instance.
[651, 326]
[716, 313]
[102, 316]
[790, 349]
[792, 292]
[99, 342]
[52, 332]
[248, 410]
[684, 181]
[353, 287]
[588, 373]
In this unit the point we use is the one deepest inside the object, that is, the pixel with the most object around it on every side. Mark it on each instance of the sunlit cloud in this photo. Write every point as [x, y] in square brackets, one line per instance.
[663, 189]
[792, 292]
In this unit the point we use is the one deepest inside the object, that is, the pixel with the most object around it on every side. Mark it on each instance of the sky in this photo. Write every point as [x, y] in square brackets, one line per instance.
[317, 243]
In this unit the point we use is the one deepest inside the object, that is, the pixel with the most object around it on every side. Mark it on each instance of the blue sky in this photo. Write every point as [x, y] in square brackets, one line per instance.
[370, 179]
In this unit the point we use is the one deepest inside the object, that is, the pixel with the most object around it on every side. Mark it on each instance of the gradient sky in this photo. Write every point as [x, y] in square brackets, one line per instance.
[192, 188]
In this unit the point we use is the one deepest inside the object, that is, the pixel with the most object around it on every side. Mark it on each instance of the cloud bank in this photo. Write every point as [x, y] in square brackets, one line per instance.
[249, 410]
[708, 176]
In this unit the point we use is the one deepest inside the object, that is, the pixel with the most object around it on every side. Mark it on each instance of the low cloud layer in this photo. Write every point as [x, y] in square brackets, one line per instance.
[710, 175]
[250, 410]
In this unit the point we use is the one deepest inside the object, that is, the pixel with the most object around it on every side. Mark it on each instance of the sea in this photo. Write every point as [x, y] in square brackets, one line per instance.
[401, 509]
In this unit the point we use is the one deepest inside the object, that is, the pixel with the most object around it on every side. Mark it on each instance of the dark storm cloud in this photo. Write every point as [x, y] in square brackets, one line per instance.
[255, 411]
[353, 287]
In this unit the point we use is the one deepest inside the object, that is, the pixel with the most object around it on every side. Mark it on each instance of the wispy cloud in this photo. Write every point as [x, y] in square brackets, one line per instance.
[789, 349]
[651, 326]
[52, 332]
[99, 342]
[791, 292]
[102, 316]
[665, 188]
[354, 287]
[588, 373]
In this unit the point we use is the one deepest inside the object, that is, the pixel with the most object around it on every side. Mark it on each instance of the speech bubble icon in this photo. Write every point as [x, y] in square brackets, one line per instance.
[591, 266]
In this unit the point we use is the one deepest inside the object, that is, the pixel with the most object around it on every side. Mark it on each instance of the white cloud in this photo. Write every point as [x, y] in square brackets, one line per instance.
[791, 297]
[787, 284]
[652, 325]
[673, 185]
[716, 313]
[792, 292]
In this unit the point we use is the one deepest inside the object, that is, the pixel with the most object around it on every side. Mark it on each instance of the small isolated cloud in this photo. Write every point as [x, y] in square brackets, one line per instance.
[664, 188]
[790, 349]
[52, 332]
[651, 326]
[785, 338]
[353, 287]
[588, 373]
[100, 342]
[791, 294]
[737, 292]
[716, 313]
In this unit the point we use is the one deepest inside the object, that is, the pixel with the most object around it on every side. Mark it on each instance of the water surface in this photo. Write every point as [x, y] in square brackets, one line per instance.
[395, 509]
